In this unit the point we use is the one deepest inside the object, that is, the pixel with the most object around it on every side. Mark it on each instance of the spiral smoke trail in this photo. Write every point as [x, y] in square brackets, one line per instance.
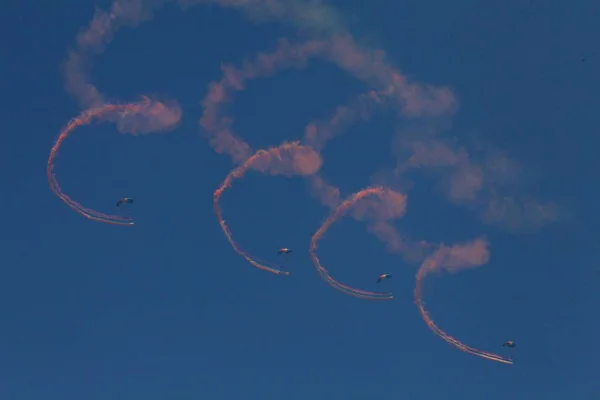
[322, 34]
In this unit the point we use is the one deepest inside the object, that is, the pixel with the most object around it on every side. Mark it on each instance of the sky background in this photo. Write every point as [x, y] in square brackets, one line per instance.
[166, 310]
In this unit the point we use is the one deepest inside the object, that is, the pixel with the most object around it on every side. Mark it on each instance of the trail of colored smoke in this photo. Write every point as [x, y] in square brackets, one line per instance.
[360, 108]
[288, 159]
[388, 89]
[101, 30]
[394, 208]
[91, 42]
[216, 124]
[338, 46]
[488, 182]
[107, 112]
[342, 50]
[453, 258]
[370, 66]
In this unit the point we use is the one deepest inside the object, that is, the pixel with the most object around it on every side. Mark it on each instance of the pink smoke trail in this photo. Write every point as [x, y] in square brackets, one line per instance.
[469, 255]
[388, 89]
[341, 50]
[91, 42]
[393, 207]
[107, 112]
[287, 159]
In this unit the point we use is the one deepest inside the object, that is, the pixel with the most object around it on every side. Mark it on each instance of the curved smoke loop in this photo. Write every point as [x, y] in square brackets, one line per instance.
[325, 36]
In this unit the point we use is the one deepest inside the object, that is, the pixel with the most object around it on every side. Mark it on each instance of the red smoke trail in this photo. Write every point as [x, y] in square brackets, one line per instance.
[345, 53]
[369, 66]
[388, 89]
[317, 134]
[91, 42]
[288, 159]
[110, 112]
[144, 117]
[216, 123]
[340, 48]
[410, 99]
[469, 255]
[394, 205]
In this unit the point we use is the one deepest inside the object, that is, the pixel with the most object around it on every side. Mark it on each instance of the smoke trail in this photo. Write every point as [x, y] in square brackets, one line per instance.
[108, 112]
[288, 159]
[490, 183]
[338, 46]
[91, 42]
[408, 99]
[469, 255]
[216, 124]
[144, 117]
[362, 108]
[390, 205]
[370, 66]
[464, 180]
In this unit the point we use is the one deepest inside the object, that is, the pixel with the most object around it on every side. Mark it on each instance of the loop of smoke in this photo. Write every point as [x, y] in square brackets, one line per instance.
[463, 180]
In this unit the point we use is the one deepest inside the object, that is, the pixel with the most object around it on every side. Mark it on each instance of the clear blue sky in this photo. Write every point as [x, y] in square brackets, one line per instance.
[166, 310]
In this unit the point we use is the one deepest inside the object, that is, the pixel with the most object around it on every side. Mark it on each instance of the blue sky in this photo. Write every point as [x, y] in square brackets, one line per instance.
[166, 309]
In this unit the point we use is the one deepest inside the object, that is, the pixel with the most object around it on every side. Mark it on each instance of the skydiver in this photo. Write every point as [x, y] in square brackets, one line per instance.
[124, 200]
